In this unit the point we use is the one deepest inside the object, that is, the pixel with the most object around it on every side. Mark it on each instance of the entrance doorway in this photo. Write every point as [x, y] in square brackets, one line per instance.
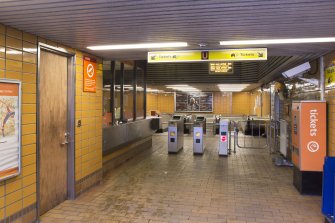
[55, 127]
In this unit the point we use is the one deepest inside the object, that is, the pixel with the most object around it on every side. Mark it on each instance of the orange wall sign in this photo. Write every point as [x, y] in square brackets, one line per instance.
[309, 135]
[90, 75]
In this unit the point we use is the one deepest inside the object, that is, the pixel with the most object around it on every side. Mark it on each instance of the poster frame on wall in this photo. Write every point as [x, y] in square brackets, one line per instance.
[190, 111]
[9, 81]
[89, 83]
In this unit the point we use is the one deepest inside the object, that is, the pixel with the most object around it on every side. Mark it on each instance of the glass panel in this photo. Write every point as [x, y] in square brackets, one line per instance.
[140, 93]
[107, 82]
[117, 92]
[128, 92]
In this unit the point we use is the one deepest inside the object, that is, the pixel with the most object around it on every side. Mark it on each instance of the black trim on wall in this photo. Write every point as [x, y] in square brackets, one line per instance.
[122, 92]
[134, 90]
[145, 90]
[112, 92]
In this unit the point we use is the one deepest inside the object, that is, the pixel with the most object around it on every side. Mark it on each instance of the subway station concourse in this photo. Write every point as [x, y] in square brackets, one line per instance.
[167, 111]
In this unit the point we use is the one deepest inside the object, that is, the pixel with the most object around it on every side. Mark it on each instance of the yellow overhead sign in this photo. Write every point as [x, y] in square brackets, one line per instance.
[252, 54]
[330, 76]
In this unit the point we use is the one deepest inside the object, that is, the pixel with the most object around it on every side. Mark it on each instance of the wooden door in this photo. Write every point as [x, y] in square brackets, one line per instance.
[52, 129]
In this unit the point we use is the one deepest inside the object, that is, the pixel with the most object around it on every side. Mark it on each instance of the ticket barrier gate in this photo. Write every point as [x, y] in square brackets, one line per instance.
[202, 120]
[224, 139]
[176, 134]
[199, 129]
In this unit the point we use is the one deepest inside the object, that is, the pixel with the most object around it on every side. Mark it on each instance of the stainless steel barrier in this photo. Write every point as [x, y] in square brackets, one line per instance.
[274, 136]
[253, 134]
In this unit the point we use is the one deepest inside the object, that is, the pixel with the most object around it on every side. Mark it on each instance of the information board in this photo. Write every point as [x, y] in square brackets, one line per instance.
[220, 68]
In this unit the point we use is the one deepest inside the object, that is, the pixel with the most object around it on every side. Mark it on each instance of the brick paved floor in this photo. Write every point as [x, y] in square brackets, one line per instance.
[157, 187]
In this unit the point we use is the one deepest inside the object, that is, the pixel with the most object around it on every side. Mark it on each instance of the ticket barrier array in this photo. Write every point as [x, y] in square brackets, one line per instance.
[199, 129]
[176, 134]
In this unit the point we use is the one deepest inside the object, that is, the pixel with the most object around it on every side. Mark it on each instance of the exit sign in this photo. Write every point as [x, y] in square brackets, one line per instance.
[221, 68]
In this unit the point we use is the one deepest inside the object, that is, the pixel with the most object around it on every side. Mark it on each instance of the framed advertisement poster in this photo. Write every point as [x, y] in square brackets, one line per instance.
[10, 129]
[194, 102]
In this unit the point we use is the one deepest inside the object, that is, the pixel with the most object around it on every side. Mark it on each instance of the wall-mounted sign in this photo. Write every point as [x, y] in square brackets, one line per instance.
[253, 54]
[90, 75]
[220, 68]
[10, 129]
[330, 76]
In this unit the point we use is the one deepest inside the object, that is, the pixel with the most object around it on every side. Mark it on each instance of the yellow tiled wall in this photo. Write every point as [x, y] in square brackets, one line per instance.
[152, 102]
[266, 107]
[18, 59]
[222, 103]
[88, 146]
[255, 107]
[241, 103]
[163, 103]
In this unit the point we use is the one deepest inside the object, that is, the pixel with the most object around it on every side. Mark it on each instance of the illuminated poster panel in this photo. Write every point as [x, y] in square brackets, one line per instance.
[193, 102]
[10, 130]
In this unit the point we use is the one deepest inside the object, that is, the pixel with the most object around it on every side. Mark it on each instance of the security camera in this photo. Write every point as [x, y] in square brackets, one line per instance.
[297, 71]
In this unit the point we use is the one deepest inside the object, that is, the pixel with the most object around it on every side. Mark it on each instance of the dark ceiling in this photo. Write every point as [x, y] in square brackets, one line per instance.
[81, 23]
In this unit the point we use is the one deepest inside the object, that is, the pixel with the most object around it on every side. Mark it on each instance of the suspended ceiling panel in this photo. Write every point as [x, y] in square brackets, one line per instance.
[80, 23]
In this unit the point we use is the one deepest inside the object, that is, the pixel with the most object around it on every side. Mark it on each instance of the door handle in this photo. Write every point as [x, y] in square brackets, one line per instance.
[66, 141]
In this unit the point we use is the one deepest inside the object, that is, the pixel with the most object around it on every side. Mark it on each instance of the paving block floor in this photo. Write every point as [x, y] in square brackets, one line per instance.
[157, 187]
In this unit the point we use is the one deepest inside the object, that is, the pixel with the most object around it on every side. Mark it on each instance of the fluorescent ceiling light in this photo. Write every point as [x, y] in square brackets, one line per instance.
[278, 41]
[183, 87]
[177, 85]
[138, 46]
[232, 87]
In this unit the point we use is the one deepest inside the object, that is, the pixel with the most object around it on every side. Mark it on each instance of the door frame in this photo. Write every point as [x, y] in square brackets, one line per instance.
[71, 86]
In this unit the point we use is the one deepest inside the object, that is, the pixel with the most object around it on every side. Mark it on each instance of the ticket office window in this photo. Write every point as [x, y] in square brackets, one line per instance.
[107, 118]
[117, 94]
[128, 91]
[123, 92]
[140, 85]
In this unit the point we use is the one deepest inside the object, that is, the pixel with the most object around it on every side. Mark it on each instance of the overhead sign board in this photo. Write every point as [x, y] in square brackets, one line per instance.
[253, 54]
[220, 68]
[10, 131]
[90, 75]
[330, 76]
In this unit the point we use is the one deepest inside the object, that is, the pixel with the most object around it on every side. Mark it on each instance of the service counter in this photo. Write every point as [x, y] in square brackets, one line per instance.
[117, 136]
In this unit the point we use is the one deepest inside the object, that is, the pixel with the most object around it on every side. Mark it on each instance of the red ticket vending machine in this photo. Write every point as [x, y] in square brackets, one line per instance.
[308, 145]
